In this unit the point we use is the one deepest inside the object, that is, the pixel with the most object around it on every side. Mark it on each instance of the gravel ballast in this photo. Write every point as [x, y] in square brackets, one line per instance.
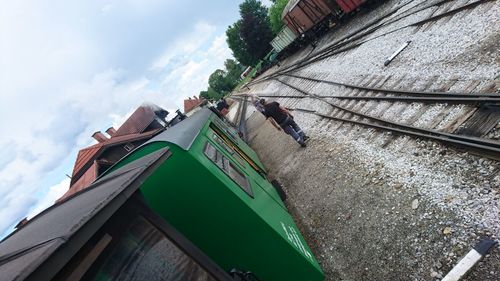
[374, 205]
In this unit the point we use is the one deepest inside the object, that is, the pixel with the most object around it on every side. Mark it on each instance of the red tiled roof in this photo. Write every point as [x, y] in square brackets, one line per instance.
[87, 155]
[85, 180]
[189, 104]
[137, 122]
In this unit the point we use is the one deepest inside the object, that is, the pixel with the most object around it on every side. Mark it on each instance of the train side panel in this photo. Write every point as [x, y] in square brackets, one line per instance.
[232, 228]
[283, 39]
[225, 207]
[348, 6]
[305, 14]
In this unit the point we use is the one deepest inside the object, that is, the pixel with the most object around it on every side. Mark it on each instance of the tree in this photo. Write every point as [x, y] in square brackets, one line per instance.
[214, 95]
[204, 94]
[219, 82]
[275, 12]
[231, 65]
[249, 38]
[233, 71]
[255, 30]
[237, 45]
[210, 94]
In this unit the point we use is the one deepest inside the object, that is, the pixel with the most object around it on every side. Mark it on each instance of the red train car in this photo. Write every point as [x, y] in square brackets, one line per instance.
[348, 6]
[304, 15]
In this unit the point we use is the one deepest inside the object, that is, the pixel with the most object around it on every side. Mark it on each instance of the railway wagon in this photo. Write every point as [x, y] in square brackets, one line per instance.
[193, 203]
[303, 16]
[304, 20]
[284, 38]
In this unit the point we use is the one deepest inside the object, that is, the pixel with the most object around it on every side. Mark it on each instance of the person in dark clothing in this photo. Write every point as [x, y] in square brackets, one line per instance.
[222, 106]
[285, 120]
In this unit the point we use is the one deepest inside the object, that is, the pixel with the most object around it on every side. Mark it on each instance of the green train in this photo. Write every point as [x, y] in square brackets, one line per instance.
[193, 203]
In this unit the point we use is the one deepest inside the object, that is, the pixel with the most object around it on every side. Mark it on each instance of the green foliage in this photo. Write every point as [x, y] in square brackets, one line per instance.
[219, 82]
[222, 82]
[210, 94]
[275, 12]
[255, 29]
[249, 38]
[204, 94]
[234, 70]
[214, 95]
[237, 45]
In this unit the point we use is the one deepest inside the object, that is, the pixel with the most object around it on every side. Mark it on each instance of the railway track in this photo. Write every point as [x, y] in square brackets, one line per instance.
[397, 95]
[486, 147]
[395, 123]
[358, 37]
[344, 104]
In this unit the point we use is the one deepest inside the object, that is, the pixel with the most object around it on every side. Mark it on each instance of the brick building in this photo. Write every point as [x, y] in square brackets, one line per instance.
[146, 122]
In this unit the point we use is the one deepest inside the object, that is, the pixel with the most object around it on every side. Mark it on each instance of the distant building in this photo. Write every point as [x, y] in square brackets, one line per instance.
[191, 105]
[146, 122]
[246, 72]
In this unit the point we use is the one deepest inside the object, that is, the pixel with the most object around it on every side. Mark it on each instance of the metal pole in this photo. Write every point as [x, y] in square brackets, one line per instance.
[388, 61]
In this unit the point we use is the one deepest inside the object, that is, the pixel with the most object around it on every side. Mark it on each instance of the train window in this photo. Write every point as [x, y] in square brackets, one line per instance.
[229, 168]
[211, 152]
[145, 253]
[217, 157]
[238, 150]
[223, 144]
[229, 149]
[223, 127]
[239, 178]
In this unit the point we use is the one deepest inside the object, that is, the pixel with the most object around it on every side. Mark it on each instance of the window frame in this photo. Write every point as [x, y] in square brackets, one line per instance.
[221, 132]
[225, 164]
[219, 141]
[129, 146]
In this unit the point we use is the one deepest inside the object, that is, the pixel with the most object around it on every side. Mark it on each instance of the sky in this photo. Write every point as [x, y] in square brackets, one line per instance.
[70, 68]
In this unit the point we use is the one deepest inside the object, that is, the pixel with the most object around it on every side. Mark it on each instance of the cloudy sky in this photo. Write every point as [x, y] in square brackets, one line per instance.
[69, 68]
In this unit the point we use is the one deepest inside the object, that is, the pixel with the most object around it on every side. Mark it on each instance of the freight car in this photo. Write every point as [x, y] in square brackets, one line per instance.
[307, 19]
[193, 203]
[284, 38]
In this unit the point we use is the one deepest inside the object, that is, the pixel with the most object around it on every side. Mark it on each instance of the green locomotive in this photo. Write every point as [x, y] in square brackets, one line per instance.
[193, 203]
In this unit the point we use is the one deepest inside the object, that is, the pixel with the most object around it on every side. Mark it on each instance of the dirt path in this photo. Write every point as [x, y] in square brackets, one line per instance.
[360, 226]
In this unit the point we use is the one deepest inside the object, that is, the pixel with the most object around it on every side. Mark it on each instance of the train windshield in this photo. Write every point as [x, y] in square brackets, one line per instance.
[144, 253]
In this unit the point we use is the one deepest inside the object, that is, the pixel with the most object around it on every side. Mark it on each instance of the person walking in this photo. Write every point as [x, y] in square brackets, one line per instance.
[285, 120]
[256, 102]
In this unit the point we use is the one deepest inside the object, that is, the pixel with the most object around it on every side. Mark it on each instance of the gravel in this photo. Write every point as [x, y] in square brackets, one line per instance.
[375, 206]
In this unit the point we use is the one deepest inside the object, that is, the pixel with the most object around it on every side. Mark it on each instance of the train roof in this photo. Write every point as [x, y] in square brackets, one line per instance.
[184, 133]
[52, 237]
[291, 4]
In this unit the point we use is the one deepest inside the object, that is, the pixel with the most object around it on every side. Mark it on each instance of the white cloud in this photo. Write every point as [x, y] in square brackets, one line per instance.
[58, 85]
[267, 3]
[186, 45]
[106, 8]
[190, 75]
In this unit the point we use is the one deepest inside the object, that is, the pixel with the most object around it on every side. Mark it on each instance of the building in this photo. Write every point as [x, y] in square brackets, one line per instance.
[191, 105]
[246, 72]
[146, 122]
